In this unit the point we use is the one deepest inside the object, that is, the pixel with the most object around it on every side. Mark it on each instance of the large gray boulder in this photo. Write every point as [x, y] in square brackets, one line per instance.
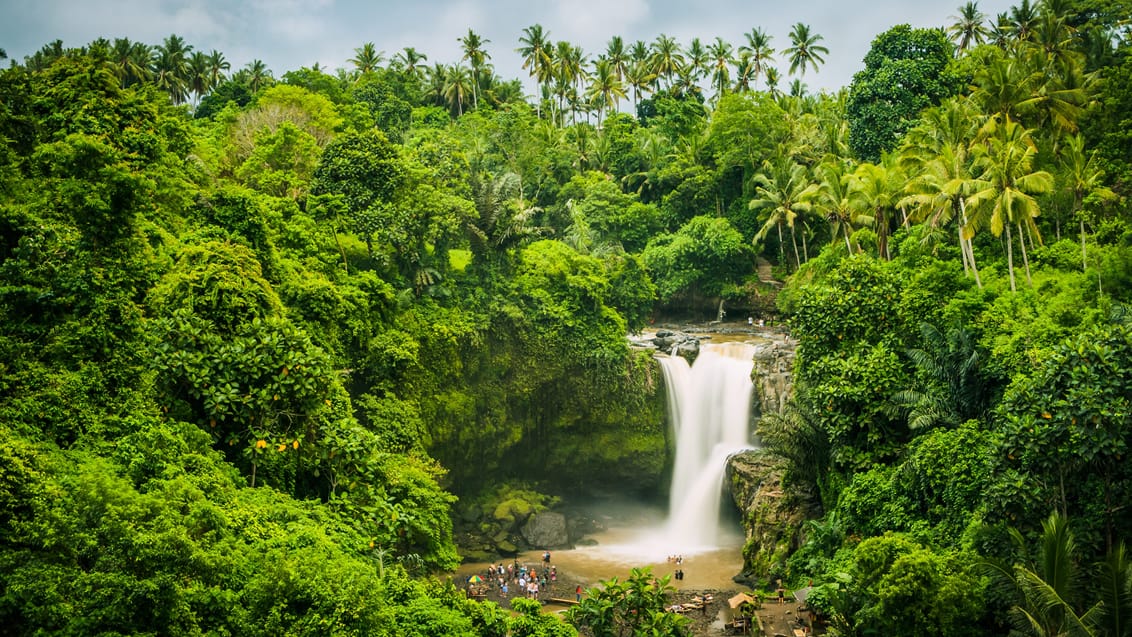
[546, 530]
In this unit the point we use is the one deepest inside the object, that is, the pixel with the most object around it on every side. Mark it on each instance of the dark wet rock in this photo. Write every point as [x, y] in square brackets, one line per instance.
[546, 530]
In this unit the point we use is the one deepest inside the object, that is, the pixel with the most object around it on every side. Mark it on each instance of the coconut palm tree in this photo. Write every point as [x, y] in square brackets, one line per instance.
[875, 191]
[937, 151]
[171, 68]
[639, 78]
[833, 200]
[366, 59]
[744, 73]
[132, 61]
[617, 56]
[759, 52]
[256, 75]
[1023, 20]
[804, 49]
[198, 77]
[783, 191]
[217, 67]
[1082, 175]
[536, 52]
[605, 87]
[666, 57]
[720, 55]
[474, 53]
[696, 59]
[1004, 191]
[457, 83]
[772, 82]
[969, 29]
[409, 61]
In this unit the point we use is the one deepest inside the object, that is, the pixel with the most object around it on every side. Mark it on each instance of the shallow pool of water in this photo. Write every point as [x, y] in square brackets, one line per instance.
[633, 537]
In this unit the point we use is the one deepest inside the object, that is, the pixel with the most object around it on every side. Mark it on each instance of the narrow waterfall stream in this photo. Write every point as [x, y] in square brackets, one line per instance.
[709, 406]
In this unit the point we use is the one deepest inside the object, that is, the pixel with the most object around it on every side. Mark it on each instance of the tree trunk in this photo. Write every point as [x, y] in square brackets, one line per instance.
[1084, 253]
[968, 244]
[1025, 258]
[794, 240]
[1010, 257]
[845, 231]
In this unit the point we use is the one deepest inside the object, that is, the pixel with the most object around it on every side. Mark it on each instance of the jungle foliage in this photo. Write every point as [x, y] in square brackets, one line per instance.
[261, 335]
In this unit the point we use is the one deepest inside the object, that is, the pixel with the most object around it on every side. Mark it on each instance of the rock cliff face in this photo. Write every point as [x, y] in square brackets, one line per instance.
[771, 515]
[773, 375]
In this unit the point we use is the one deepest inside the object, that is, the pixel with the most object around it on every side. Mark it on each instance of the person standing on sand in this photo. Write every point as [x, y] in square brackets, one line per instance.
[578, 593]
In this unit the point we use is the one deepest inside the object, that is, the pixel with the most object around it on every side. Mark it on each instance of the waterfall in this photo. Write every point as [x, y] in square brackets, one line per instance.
[709, 406]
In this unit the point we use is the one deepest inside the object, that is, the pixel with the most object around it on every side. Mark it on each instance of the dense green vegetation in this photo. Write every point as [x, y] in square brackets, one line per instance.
[264, 336]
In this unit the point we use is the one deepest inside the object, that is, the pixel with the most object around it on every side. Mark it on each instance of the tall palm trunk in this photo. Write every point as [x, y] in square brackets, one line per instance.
[968, 245]
[1010, 257]
[794, 240]
[1025, 258]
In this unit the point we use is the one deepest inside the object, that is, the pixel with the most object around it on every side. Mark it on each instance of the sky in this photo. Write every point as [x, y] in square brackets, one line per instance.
[290, 34]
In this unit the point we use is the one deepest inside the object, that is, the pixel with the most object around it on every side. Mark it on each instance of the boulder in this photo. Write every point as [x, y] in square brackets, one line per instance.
[773, 376]
[546, 530]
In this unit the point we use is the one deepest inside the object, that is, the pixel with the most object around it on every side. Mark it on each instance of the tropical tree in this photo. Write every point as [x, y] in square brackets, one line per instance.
[969, 29]
[759, 52]
[1082, 175]
[639, 77]
[171, 68]
[132, 61]
[474, 53]
[666, 57]
[256, 75]
[783, 192]
[605, 87]
[366, 59]
[719, 53]
[833, 199]
[217, 67]
[536, 51]
[937, 152]
[875, 191]
[696, 59]
[456, 85]
[409, 60]
[956, 389]
[617, 56]
[804, 49]
[1004, 190]
[1046, 590]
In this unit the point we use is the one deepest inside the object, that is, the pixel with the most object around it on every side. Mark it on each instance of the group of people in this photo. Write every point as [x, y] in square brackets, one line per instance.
[678, 560]
[527, 580]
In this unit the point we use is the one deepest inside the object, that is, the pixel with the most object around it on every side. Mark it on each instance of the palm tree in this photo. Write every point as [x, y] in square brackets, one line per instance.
[937, 151]
[666, 57]
[783, 190]
[833, 199]
[1023, 20]
[1005, 188]
[475, 55]
[720, 55]
[952, 365]
[639, 78]
[618, 58]
[605, 88]
[570, 69]
[456, 83]
[745, 76]
[132, 61]
[366, 59]
[217, 67]
[1047, 589]
[772, 81]
[198, 82]
[969, 28]
[171, 68]
[437, 79]
[1082, 176]
[697, 59]
[409, 60]
[874, 191]
[804, 49]
[503, 220]
[256, 75]
[536, 56]
[759, 51]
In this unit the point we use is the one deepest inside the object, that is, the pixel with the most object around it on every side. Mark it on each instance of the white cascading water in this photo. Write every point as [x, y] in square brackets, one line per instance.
[709, 404]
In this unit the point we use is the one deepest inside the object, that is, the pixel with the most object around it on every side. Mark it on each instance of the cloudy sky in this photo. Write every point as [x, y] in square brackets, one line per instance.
[288, 34]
